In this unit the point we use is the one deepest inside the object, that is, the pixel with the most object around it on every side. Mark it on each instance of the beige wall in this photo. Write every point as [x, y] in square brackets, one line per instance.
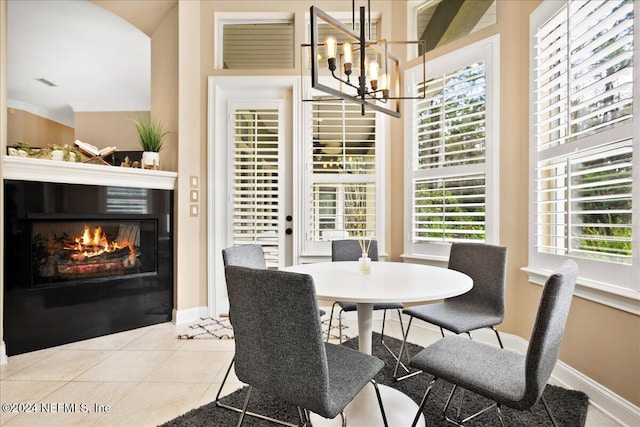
[35, 130]
[164, 84]
[191, 290]
[109, 128]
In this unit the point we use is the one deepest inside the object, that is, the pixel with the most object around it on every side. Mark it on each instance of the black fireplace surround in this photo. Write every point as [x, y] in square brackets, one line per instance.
[82, 261]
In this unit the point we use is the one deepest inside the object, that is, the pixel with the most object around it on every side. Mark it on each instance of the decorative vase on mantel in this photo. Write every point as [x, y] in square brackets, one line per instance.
[150, 160]
[151, 136]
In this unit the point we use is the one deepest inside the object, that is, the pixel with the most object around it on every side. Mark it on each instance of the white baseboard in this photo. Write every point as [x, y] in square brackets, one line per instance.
[3, 354]
[611, 404]
[180, 317]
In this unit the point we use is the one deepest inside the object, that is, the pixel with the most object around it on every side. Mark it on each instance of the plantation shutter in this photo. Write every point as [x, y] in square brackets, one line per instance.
[257, 45]
[584, 86]
[257, 180]
[584, 68]
[449, 188]
[342, 195]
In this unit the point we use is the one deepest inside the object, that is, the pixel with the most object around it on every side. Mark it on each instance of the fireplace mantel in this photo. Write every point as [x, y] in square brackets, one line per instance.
[27, 169]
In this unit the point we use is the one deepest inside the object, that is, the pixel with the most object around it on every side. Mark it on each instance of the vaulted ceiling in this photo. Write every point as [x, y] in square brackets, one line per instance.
[96, 54]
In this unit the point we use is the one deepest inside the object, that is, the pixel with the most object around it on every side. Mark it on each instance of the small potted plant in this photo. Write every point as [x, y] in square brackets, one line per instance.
[151, 136]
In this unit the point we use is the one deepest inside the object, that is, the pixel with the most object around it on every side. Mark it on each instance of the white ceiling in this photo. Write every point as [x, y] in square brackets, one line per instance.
[97, 60]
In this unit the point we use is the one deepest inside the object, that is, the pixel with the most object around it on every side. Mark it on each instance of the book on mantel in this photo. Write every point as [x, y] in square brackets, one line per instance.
[92, 150]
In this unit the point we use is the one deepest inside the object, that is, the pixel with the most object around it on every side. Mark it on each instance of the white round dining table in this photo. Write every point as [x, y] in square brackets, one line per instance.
[388, 282]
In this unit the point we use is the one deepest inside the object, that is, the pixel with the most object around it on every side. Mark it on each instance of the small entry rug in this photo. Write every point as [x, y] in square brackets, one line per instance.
[568, 406]
[209, 327]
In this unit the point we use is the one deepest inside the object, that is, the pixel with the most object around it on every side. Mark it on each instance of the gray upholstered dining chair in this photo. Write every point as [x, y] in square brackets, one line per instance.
[294, 364]
[506, 377]
[481, 307]
[250, 256]
[350, 250]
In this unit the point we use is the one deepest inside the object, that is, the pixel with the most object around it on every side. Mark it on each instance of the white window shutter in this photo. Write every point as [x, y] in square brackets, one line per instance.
[256, 182]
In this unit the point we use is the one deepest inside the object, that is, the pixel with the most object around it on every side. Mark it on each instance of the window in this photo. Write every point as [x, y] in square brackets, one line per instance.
[584, 135]
[257, 44]
[342, 176]
[451, 188]
[343, 198]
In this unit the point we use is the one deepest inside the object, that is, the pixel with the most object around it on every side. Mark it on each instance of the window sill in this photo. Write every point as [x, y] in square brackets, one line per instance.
[426, 259]
[603, 293]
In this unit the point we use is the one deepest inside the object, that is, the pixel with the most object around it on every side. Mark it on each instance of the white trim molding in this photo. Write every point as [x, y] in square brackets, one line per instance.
[188, 315]
[27, 169]
[3, 354]
[616, 297]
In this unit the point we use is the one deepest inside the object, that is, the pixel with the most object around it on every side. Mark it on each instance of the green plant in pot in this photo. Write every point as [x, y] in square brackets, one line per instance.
[151, 136]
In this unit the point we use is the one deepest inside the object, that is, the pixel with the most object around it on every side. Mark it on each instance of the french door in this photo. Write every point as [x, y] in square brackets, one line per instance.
[250, 134]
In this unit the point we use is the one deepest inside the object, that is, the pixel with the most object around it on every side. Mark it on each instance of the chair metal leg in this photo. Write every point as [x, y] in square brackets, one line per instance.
[243, 410]
[244, 407]
[303, 415]
[497, 336]
[340, 325]
[382, 412]
[458, 421]
[344, 419]
[546, 408]
[500, 416]
[399, 356]
[330, 321]
[403, 348]
[423, 402]
[224, 380]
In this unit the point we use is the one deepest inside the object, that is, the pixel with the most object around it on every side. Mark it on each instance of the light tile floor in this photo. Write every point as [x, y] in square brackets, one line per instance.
[142, 377]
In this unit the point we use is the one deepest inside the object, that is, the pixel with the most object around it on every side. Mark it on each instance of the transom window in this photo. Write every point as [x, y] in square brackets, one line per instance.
[257, 44]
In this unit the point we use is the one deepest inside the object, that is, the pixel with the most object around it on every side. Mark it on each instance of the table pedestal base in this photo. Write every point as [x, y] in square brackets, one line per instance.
[364, 410]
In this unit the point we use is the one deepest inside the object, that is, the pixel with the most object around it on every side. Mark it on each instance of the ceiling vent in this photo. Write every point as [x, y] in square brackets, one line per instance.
[46, 82]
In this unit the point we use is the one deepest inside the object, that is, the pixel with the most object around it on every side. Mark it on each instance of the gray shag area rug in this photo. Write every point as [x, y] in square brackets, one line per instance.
[568, 406]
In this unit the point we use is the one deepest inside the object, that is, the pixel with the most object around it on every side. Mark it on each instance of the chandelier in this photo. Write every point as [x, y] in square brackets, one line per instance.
[358, 69]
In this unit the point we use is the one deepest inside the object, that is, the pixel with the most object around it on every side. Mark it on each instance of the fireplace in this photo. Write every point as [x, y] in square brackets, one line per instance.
[85, 250]
[83, 261]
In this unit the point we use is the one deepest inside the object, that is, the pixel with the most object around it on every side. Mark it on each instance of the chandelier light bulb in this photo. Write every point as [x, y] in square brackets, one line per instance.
[383, 81]
[330, 45]
[373, 69]
[348, 53]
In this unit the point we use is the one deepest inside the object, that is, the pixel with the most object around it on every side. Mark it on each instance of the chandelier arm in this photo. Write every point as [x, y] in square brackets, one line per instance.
[347, 82]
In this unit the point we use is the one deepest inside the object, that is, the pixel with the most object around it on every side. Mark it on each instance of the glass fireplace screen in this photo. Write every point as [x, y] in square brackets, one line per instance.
[64, 251]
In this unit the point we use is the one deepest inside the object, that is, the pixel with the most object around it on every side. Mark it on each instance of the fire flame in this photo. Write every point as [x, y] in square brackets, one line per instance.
[94, 243]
